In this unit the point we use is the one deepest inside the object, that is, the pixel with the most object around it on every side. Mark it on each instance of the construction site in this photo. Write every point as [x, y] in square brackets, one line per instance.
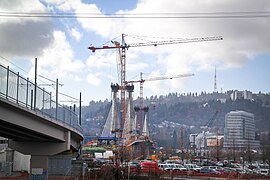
[128, 150]
[127, 126]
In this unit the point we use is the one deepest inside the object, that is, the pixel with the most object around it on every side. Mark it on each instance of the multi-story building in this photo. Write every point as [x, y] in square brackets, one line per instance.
[241, 94]
[239, 132]
[247, 95]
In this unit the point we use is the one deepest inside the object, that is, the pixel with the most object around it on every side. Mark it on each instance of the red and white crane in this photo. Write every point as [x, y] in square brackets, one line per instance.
[123, 46]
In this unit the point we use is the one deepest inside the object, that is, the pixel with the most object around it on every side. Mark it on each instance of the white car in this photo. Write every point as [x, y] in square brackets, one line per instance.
[180, 167]
[192, 167]
[217, 168]
[263, 171]
[174, 167]
[164, 167]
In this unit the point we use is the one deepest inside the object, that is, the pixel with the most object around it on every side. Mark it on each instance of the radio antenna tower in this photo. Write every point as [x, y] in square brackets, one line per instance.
[215, 80]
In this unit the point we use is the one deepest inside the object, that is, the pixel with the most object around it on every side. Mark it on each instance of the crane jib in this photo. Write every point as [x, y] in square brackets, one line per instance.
[156, 43]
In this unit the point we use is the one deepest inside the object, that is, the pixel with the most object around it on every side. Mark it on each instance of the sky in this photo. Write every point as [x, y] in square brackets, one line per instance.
[60, 42]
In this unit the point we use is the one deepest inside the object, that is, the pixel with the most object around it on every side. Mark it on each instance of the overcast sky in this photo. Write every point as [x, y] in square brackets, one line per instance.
[60, 44]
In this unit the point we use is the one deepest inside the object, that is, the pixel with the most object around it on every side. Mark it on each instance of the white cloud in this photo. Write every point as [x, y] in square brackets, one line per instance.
[102, 59]
[24, 37]
[101, 26]
[93, 80]
[18, 6]
[58, 59]
[162, 86]
[76, 34]
[54, 1]
[136, 67]
[241, 36]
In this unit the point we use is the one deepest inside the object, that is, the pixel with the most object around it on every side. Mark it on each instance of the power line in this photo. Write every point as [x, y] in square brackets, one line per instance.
[175, 15]
[54, 82]
[9, 61]
[74, 99]
[148, 13]
[68, 96]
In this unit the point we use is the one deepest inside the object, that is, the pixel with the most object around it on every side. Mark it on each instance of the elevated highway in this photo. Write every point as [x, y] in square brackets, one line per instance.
[32, 133]
[34, 123]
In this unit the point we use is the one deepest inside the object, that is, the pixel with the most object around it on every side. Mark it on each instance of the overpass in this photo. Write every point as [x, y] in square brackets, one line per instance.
[34, 123]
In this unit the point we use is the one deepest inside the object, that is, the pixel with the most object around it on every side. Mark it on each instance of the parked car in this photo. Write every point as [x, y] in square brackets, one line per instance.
[177, 167]
[180, 167]
[149, 166]
[133, 166]
[174, 167]
[217, 168]
[192, 167]
[206, 169]
[164, 167]
[261, 171]
[264, 172]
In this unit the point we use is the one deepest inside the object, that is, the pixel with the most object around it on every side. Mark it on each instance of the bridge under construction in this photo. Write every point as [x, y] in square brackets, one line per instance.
[130, 139]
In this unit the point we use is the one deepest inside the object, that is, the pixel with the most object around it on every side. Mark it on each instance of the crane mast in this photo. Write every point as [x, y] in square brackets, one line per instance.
[123, 84]
[141, 101]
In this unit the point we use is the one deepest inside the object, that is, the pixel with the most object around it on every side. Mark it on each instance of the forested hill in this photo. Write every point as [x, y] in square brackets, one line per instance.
[199, 113]
[191, 109]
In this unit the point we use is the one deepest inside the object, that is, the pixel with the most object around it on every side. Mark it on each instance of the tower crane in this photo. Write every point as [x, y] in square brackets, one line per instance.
[141, 81]
[206, 127]
[122, 54]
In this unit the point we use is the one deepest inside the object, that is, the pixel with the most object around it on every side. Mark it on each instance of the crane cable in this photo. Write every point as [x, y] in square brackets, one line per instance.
[173, 15]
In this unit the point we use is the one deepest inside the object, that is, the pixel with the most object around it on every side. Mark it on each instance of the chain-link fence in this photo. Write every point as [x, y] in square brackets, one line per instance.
[6, 168]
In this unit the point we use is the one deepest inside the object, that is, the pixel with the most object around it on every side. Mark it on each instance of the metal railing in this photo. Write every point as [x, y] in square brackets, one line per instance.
[23, 92]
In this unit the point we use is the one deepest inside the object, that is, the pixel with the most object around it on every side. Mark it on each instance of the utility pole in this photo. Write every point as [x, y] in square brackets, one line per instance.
[35, 91]
[249, 151]
[80, 110]
[56, 99]
[233, 145]
[182, 143]
[217, 146]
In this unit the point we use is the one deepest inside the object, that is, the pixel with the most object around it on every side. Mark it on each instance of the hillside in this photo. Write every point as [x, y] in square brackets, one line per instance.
[198, 113]
[191, 110]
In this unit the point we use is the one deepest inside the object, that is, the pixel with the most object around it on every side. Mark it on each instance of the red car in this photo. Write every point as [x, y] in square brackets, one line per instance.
[147, 166]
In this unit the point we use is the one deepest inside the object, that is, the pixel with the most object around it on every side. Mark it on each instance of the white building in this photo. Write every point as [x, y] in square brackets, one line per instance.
[239, 131]
[8, 157]
[247, 95]
[241, 94]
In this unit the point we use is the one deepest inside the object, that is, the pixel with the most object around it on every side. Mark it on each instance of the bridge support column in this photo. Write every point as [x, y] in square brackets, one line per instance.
[39, 167]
